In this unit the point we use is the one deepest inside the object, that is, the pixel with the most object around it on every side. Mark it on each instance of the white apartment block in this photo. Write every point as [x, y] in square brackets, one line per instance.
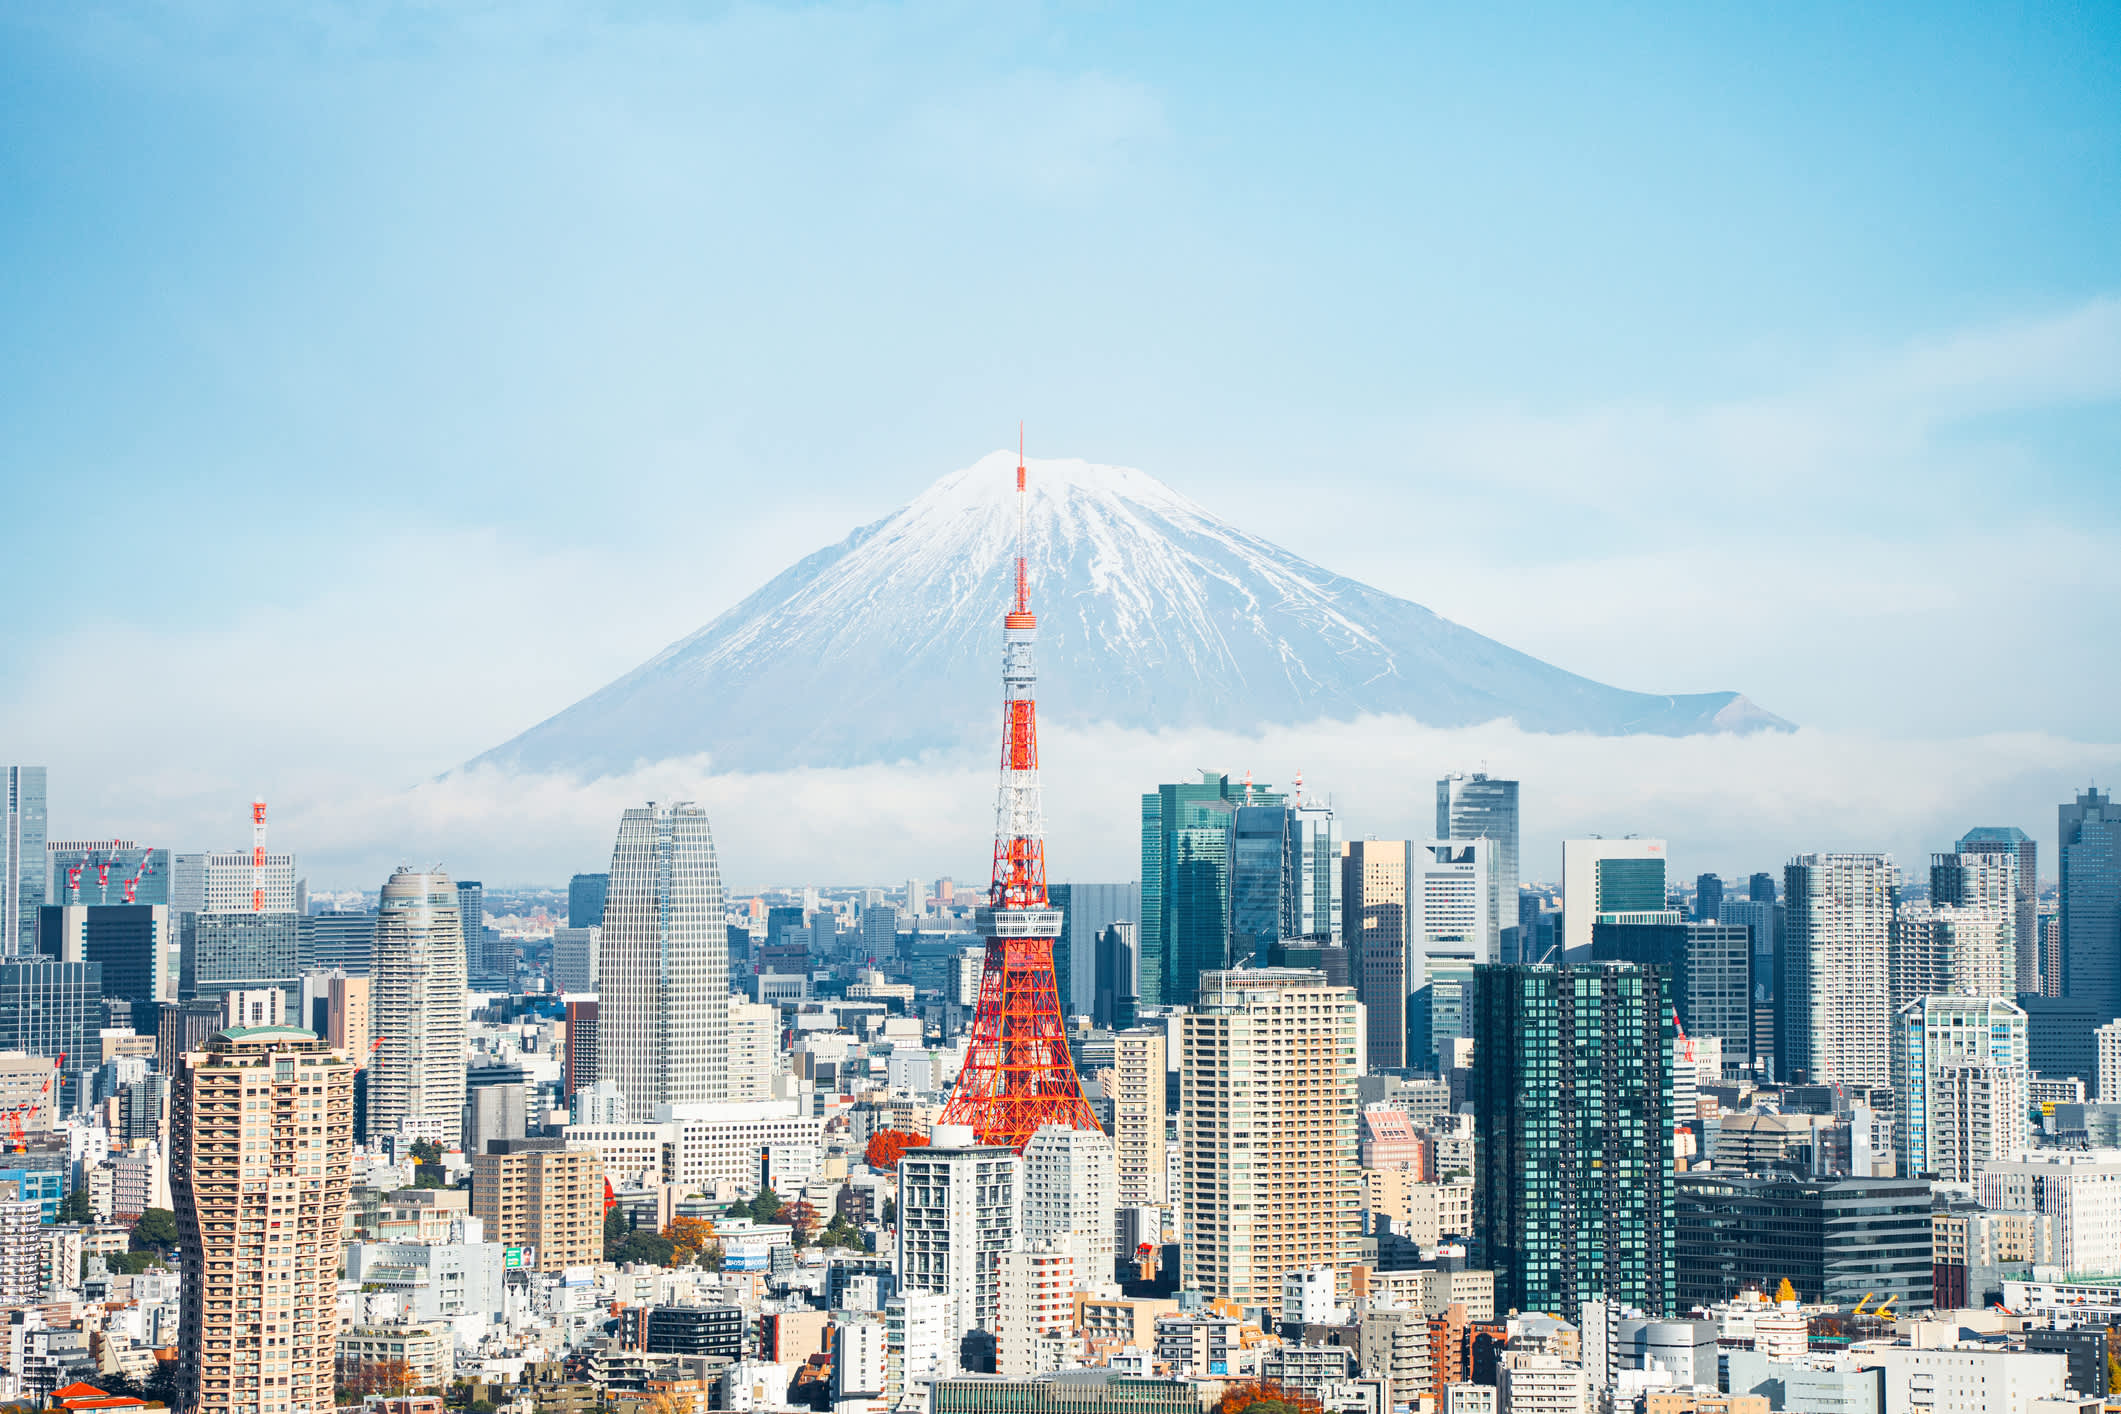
[1968, 1379]
[2080, 1190]
[1036, 1298]
[233, 880]
[919, 1347]
[1071, 1194]
[754, 1049]
[2109, 1040]
[1835, 993]
[1532, 1383]
[704, 1148]
[1960, 1073]
[960, 1207]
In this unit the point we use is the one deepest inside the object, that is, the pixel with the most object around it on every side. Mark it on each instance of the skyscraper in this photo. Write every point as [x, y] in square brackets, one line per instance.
[663, 984]
[1620, 881]
[1071, 1193]
[1960, 1073]
[22, 887]
[1833, 1003]
[2090, 838]
[261, 1139]
[1310, 888]
[471, 919]
[1940, 950]
[1258, 840]
[1572, 1105]
[1374, 920]
[1708, 898]
[1138, 1116]
[1475, 807]
[2009, 842]
[1087, 910]
[416, 1005]
[1185, 928]
[585, 900]
[1449, 932]
[574, 959]
[1267, 1139]
[132, 941]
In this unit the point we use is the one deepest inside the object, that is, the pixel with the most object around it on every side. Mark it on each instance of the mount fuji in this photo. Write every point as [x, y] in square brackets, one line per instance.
[1152, 613]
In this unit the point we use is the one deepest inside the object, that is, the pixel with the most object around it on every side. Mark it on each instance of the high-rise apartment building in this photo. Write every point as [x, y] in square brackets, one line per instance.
[1960, 1085]
[919, 1346]
[416, 1005]
[960, 1206]
[346, 1028]
[1037, 1287]
[663, 981]
[1071, 1191]
[1373, 895]
[1450, 931]
[1186, 837]
[261, 1143]
[1267, 1141]
[1942, 950]
[754, 1050]
[481, 965]
[2090, 836]
[585, 900]
[574, 960]
[581, 1072]
[1833, 1000]
[538, 1193]
[1573, 1115]
[22, 836]
[1613, 881]
[1139, 1156]
[1967, 882]
[1476, 807]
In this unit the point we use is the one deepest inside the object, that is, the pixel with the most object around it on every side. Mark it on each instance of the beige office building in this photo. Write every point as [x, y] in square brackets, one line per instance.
[1269, 1172]
[261, 1142]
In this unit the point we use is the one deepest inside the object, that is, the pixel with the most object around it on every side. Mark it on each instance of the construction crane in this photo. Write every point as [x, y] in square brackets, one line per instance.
[1863, 1303]
[18, 1138]
[132, 885]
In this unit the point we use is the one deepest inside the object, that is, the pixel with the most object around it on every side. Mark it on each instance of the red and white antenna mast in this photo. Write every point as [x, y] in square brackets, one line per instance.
[1018, 1073]
[257, 855]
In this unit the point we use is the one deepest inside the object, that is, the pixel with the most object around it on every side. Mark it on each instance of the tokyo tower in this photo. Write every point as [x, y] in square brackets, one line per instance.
[1018, 1074]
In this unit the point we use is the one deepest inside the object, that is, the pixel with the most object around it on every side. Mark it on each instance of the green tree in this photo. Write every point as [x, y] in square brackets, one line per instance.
[766, 1207]
[890, 1211]
[650, 1247]
[77, 1208]
[426, 1151]
[156, 1231]
[615, 1228]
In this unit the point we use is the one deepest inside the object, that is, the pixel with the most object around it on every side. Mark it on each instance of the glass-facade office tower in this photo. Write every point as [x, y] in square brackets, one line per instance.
[416, 1005]
[1833, 1002]
[1960, 1085]
[663, 963]
[22, 889]
[585, 900]
[1087, 910]
[1258, 840]
[2090, 836]
[2006, 842]
[1615, 881]
[130, 941]
[240, 952]
[1834, 1239]
[344, 941]
[1572, 1116]
[1186, 832]
[1708, 966]
[1476, 807]
[110, 872]
[1708, 898]
[1310, 888]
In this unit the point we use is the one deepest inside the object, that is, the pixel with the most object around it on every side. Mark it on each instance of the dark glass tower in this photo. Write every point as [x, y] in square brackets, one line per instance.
[1186, 839]
[2090, 837]
[1572, 1104]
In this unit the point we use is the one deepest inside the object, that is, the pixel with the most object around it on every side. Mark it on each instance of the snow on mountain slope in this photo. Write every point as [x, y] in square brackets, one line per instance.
[1152, 613]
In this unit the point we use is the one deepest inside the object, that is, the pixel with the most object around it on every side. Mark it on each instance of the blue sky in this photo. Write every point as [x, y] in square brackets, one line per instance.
[1768, 348]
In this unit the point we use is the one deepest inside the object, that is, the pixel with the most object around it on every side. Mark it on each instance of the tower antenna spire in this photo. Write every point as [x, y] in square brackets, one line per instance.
[1018, 1074]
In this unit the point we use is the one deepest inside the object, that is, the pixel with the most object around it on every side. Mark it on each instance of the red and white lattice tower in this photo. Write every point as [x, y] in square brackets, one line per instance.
[1018, 1074]
[257, 856]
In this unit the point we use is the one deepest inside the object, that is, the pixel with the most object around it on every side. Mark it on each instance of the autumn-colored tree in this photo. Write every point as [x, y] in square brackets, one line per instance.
[366, 1377]
[1265, 1397]
[886, 1145]
[688, 1238]
[800, 1215]
[1785, 1292]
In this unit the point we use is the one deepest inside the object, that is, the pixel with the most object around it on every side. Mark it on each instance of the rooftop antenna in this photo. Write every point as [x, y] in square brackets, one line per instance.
[1299, 785]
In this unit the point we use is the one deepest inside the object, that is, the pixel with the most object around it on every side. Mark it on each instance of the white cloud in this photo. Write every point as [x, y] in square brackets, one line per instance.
[1728, 804]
